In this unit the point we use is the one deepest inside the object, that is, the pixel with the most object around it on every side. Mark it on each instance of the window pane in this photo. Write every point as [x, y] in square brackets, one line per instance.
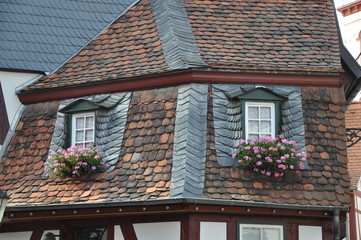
[253, 112]
[79, 137]
[79, 123]
[265, 126]
[89, 123]
[265, 113]
[89, 135]
[271, 233]
[265, 135]
[253, 127]
[253, 136]
[249, 233]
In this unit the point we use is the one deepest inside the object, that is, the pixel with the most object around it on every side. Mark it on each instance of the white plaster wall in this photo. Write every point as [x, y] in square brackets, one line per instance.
[118, 235]
[350, 27]
[213, 231]
[9, 82]
[309, 233]
[15, 236]
[158, 231]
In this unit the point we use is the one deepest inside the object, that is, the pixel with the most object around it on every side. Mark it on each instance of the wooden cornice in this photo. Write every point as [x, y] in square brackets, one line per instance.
[179, 79]
[351, 8]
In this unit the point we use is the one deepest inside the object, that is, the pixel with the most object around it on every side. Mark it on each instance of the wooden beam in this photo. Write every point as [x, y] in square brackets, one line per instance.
[166, 80]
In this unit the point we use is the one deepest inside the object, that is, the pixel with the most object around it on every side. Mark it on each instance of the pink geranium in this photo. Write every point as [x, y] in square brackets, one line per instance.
[75, 161]
[269, 156]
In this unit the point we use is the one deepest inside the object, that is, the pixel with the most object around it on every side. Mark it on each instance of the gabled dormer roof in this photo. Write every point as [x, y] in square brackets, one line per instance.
[42, 35]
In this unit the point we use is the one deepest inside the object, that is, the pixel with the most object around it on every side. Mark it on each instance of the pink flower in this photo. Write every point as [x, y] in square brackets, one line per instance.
[234, 155]
[268, 173]
[259, 156]
[259, 163]
[247, 148]
[94, 167]
[302, 166]
[276, 174]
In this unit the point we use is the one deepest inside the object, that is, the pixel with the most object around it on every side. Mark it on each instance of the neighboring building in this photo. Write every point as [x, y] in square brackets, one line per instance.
[353, 125]
[351, 27]
[166, 92]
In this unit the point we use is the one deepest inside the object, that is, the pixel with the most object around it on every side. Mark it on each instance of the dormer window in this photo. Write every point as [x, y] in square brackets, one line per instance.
[83, 129]
[261, 116]
[80, 122]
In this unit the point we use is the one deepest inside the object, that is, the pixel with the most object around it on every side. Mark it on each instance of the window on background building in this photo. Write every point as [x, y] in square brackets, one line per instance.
[261, 232]
[359, 53]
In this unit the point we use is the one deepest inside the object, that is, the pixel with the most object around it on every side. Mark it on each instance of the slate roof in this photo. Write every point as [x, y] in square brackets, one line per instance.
[353, 115]
[161, 157]
[41, 35]
[156, 37]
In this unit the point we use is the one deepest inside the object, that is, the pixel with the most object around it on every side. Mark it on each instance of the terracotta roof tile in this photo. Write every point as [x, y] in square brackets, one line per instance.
[144, 171]
[241, 35]
[353, 115]
[324, 183]
[269, 35]
[130, 47]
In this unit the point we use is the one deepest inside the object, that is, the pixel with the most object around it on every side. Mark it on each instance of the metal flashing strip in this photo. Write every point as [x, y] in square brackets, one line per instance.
[189, 151]
[175, 32]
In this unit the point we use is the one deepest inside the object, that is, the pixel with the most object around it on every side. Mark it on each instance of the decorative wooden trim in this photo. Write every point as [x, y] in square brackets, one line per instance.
[128, 231]
[351, 8]
[322, 80]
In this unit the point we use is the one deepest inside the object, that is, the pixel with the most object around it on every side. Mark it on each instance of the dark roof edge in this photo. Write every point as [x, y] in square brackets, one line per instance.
[22, 70]
[180, 78]
[355, 69]
[200, 201]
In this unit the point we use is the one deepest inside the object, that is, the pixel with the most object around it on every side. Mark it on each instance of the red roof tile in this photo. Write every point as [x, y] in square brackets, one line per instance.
[266, 34]
[353, 116]
[144, 171]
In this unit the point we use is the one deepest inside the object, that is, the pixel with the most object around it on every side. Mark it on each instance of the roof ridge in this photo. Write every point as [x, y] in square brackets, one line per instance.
[175, 32]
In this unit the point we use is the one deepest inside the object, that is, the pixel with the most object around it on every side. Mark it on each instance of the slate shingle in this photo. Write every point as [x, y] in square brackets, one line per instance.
[41, 35]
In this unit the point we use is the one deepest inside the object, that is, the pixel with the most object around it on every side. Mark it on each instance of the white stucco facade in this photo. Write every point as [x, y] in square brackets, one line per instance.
[9, 82]
[350, 26]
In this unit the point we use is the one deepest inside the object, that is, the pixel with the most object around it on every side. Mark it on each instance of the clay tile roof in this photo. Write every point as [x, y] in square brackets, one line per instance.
[155, 37]
[129, 47]
[266, 34]
[144, 171]
[325, 183]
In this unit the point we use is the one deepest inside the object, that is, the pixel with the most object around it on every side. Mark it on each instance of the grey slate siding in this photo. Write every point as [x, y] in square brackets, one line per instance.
[175, 32]
[110, 124]
[189, 151]
[227, 114]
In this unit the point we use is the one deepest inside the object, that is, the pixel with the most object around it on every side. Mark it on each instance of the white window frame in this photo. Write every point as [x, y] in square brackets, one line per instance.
[260, 104]
[242, 225]
[73, 127]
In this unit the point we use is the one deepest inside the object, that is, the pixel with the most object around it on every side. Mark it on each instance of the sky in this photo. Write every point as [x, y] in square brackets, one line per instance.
[339, 3]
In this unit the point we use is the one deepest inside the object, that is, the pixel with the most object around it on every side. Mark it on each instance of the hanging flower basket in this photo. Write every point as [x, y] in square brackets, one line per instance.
[269, 156]
[75, 162]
